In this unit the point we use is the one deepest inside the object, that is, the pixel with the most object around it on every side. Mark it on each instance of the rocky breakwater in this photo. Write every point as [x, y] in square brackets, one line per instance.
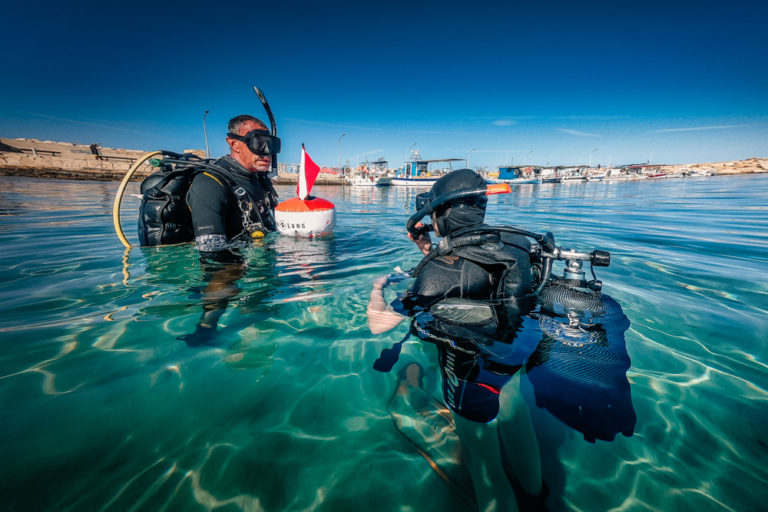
[63, 160]
[748, 166]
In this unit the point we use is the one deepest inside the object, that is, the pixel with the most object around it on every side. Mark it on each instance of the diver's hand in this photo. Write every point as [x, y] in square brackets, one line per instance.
[203, 335]
[381, 318]
[423, 241]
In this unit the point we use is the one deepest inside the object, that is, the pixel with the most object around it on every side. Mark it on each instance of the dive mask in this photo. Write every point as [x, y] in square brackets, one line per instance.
[260, 142]
[421, 201]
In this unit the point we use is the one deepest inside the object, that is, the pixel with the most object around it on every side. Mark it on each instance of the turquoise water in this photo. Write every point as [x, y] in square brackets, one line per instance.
[103, 408]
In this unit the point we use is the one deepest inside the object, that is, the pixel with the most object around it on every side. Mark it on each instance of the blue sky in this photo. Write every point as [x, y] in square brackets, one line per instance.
[495, 82]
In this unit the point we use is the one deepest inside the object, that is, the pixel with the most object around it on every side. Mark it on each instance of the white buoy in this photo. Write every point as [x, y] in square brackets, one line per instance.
[305, 215]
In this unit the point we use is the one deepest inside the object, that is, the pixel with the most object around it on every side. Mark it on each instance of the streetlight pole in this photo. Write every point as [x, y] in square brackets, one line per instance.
[339, 151]
[590, 157]
[205, 131]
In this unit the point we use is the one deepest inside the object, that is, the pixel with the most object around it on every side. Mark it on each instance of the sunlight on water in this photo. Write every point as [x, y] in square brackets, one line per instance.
[105, 409]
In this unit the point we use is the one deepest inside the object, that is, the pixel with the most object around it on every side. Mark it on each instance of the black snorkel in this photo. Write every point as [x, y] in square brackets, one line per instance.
[272, 123]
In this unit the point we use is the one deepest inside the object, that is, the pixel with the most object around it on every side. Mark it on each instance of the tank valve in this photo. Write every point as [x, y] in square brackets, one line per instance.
[573, 270]
[600, 258]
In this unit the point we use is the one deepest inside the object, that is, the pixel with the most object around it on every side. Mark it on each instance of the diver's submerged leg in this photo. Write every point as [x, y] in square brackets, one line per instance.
[481, 449]
[518, 438]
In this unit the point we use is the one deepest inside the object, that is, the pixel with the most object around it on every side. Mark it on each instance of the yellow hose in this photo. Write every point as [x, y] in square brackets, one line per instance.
[119, 196]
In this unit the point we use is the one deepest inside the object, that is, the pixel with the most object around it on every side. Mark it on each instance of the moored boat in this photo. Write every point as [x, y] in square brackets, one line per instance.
[549, 175]
[514, 175]
[361, 181]
[572, 175]
[416, 173]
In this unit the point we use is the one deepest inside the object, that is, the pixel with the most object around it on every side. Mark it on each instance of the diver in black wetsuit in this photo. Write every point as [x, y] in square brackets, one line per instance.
[217, 212]
[469, 300]
[498, 266]
[224, 220]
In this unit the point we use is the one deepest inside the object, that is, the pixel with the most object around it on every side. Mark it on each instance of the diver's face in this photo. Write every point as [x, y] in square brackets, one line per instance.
[241, 152]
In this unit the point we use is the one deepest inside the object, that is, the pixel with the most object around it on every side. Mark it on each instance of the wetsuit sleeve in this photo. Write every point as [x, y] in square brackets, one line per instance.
[207, 200]
[420, 296]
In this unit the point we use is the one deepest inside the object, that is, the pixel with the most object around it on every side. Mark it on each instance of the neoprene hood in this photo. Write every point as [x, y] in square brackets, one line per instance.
[462, 212]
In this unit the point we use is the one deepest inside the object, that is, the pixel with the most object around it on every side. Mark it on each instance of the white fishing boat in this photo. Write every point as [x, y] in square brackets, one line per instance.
[572, 175]
[614, 175]
[367, 174]
[549, 175]
[416, 173]
[596, 174]
[361, 181]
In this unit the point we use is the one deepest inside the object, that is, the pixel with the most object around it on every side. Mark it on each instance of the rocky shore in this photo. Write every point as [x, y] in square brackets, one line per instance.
[748, 166]
[62, 160]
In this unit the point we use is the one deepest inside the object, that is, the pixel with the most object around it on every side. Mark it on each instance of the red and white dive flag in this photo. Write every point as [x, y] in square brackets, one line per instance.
[308, 172]
[299, 216]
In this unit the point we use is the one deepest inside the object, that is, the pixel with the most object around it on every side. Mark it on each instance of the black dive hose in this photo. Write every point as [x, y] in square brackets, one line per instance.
[444, 248]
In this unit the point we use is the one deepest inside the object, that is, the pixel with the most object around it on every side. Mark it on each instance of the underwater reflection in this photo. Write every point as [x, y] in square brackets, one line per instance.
[579, 369]
[266, 274]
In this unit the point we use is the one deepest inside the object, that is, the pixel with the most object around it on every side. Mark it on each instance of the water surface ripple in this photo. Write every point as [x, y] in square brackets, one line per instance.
[103, 408]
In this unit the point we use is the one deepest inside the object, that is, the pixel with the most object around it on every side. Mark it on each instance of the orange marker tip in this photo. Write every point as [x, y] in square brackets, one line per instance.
[498, 188]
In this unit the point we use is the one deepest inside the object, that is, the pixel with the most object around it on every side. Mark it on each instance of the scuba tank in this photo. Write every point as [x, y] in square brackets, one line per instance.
[578, 371]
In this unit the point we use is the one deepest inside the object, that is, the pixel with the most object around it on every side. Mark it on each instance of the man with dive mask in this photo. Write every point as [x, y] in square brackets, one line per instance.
[223, 216]
[232, 204]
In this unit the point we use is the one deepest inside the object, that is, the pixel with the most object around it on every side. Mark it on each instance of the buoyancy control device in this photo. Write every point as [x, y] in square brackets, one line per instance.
[164, 216]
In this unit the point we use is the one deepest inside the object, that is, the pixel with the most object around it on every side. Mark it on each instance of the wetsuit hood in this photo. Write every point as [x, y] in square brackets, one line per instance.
[461, 213]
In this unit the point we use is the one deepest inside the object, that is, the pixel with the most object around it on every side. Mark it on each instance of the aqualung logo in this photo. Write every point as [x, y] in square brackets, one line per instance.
[291, 225]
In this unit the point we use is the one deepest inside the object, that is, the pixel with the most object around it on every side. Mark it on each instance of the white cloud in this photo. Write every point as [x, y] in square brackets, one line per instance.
[577, 133]
[588, 118]
[504, 122]
[699, 128]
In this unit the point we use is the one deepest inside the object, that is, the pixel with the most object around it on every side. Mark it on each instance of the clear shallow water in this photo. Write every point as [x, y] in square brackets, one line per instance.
[104, 409]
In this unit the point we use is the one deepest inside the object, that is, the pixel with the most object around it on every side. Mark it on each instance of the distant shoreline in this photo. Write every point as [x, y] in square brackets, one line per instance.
[101, 175]
[60, 160]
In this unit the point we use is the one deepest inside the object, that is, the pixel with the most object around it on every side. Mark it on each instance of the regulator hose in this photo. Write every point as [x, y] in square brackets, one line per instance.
[119, 196]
